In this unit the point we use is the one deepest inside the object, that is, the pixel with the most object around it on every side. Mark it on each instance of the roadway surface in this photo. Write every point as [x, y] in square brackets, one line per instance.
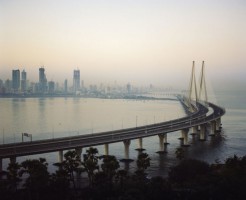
[51, 145]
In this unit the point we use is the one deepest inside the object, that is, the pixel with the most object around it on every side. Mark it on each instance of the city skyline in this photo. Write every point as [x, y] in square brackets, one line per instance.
[76, 83]
[140, 41]
[19, 84]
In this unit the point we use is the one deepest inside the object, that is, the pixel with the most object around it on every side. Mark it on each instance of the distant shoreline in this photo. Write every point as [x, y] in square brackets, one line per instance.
[133, 97]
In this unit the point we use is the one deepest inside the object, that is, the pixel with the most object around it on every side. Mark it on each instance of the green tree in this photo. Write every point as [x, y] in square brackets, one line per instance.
[38, 175]
[60, 181]
[143, 161]
[90, 163]
[121, 177]
[188, 171]
[13, 177]
[232, 179]
[68, 168]
[110, 166]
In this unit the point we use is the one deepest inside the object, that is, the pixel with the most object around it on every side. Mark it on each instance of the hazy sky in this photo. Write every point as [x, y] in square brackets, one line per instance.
[140, 42]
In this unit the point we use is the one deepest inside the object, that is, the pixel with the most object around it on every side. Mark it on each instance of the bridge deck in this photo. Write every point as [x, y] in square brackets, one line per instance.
[50, 145]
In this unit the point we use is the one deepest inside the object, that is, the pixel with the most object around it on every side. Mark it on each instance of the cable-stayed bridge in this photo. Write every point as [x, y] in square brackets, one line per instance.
[195, 104]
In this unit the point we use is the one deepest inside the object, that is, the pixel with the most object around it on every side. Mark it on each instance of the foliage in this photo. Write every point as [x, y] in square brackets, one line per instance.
[66, 170]
[13, 175]
[188, 171]
[190, 179]
[90, 163]
[37, 180]
[110, 166]
[143, 161]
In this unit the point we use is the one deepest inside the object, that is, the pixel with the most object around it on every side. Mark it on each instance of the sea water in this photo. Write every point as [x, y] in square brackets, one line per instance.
[60, 117]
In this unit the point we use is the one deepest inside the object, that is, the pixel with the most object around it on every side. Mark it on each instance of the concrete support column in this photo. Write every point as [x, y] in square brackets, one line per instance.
[161, 142]
[140, 143]
[194, 129]
[60, 156]
[106, 150]
[184, 133]
[162, 139]
[218, 123]
[213, 127]
[127, 145]
[79, 151]
[202, 132]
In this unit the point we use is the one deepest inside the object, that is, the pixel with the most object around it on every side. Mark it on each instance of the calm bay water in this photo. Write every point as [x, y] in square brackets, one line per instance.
[57, 117]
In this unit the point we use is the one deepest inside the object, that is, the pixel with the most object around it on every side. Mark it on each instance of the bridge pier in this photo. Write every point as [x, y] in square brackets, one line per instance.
[161, 143]
[165, 139]
[184, 133]
[218, 123]
[60, 156]
[127, 146]
[194, 130]
[213, 128]
[106, 149]
[79, 152]
[202, 132]
[140, 145]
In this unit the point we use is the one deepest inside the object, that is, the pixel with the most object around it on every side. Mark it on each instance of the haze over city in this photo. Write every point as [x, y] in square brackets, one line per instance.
[140, 42]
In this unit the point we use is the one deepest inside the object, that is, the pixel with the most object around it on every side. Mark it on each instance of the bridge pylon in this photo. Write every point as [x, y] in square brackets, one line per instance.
[196, 94]
[192, 87]
[203, 97]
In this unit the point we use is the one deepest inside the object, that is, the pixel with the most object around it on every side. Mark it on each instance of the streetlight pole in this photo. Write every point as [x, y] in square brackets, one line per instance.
[136, 121]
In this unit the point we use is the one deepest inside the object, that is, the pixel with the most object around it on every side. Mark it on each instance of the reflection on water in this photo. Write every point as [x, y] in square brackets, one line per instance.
[48, 117]
[56, 117]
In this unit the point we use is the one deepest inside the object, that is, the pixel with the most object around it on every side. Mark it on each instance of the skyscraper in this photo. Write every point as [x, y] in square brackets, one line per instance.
[23, 81]
[51, 85]
[76, 80]
[16, 80]
[42, 80]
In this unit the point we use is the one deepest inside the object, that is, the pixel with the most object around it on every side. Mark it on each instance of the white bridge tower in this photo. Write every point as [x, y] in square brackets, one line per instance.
[194, 94]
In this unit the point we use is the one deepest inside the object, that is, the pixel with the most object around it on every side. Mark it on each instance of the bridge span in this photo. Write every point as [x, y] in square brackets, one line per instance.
[196, 121]
[198, 116]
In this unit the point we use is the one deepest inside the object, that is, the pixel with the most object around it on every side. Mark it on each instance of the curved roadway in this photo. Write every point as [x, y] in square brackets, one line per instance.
[50, 145]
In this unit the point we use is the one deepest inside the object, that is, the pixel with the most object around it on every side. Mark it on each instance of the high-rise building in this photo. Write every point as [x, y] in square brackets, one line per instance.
[8, 85]
[42, 80]
[82, 84]
[23, 81]
[51, 85]
[76, 80]
[16, 80]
